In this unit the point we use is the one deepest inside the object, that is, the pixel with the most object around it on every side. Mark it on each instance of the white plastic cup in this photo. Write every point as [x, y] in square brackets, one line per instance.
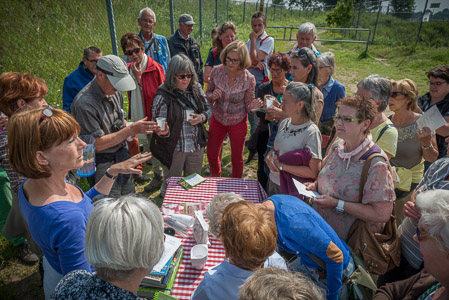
[198, 256]
[185, 220]
[161, 123]
[269, 102]
[188, 114]
[130, 138]
[88, 168]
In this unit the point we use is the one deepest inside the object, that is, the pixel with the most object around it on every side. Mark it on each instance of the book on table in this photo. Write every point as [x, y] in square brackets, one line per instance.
[191, 181]
[156, 283]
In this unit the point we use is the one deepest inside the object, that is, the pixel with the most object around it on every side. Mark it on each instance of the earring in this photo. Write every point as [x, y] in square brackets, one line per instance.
[297, 112]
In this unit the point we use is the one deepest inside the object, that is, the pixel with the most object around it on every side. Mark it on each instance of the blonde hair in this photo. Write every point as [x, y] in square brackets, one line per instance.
[410, 90]
[242, 50]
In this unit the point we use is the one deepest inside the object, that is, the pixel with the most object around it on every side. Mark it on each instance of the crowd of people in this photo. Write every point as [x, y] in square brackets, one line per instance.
[364, 164]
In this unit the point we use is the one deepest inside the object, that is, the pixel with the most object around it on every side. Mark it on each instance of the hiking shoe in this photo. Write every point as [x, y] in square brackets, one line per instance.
[26, 255]
[154, 185]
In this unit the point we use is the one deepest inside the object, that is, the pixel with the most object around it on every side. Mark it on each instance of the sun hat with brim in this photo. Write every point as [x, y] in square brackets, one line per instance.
[186, 19]
[115, 68]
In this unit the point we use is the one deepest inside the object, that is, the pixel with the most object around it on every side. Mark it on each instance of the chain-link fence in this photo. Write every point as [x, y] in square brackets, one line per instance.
[47, 37]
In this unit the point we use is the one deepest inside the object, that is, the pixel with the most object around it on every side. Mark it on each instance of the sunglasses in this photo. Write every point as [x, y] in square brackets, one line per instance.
[345, 119]
[184, 76]
[395, 94]
[46, 113]
[437, 84]
[303, 51]
[131, 52]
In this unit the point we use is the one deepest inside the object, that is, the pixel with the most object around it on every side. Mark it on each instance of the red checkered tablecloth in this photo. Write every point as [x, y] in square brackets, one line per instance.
[188, 278]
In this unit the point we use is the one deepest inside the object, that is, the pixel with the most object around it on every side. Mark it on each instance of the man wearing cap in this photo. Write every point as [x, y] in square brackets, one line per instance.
[182, 42]
[78, 79]
[98, 108]
[156, 45]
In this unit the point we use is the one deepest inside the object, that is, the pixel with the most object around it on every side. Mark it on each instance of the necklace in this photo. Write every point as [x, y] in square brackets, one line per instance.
[348, 155]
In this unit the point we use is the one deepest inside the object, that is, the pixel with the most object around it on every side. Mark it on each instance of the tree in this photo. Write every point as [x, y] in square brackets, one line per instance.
[403, 8]
[304, 4]
[341, 15]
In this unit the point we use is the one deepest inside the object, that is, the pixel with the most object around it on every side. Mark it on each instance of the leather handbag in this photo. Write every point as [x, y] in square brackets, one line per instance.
[380, 252]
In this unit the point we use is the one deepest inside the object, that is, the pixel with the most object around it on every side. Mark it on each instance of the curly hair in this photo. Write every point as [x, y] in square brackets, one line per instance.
[280, 59]
[248, 234]
[216, 207]
[366, 108]
[222, 29]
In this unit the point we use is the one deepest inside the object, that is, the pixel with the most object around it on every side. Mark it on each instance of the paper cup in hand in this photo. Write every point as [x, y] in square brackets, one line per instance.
[269, 102]
[198, 256]
[161, 123]
[130, 138]
[189, 112]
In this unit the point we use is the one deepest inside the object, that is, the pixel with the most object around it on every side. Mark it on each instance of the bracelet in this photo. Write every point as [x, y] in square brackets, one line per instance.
[427, 147]
[340, 206]
[281, 167]
[108, 175]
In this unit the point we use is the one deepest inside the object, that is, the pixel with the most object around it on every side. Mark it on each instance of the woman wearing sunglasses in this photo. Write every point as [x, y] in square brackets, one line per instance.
[304, 68]
[296, 152]
[44, 146]
[231, 92]
[338, 182]
[414, 144]
[182, 102]
[432, 236]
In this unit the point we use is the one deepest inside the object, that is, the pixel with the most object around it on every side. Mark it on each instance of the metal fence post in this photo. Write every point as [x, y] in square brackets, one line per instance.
[274, 13]
[420, 24]
[201, 20]
[377, 20]
[112, 32]
[244, 10]
[266, 10]
[358, 18]
[172, 19]
[216, 13]
[227, 10]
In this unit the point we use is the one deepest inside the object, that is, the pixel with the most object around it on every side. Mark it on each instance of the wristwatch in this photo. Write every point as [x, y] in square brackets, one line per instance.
[108, 175]
[281, 167]
[340, 205]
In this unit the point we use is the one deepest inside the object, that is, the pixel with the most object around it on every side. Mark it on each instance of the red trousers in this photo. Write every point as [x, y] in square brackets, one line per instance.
[237, 135]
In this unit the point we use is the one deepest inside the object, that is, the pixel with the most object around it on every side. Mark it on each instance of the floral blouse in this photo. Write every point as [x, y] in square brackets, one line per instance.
[233, 107]
[343, 183]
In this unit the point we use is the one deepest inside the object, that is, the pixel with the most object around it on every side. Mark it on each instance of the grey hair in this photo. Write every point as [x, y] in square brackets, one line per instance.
[122, 235]
[181, 63]
[306, 59]
[303, 92]
[216, 207]
[149, 10]
[434, 208]
[89, 50]
[380, 88]
[273, 283]
[327, 59]
[306, 28]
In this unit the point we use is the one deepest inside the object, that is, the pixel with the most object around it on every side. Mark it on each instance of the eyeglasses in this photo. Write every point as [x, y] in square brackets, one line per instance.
[436, 83]
[46, 113]
[323, 67]
[277, 71]
[232, 61]
[422, 235]
[94, 61]
[345, 119]
[395, 94]
[131, 52]
[184, 76]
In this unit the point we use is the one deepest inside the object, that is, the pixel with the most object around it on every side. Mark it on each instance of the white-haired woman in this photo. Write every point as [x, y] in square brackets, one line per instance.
[124, 241]
[295, 133]
[183, 103]
[432, 234]
[332, 90]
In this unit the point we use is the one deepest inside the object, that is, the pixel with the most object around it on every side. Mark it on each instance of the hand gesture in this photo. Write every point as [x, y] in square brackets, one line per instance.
[261, 65]
[128, 166]
[143, 127]
[270, 160]
[216, 94]
[254, 35]
[3, 121]
[255, 104]
[137, 71]
[425, 136]
[325, 201]
[311, 186]
[196, 119]
[411, 211]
